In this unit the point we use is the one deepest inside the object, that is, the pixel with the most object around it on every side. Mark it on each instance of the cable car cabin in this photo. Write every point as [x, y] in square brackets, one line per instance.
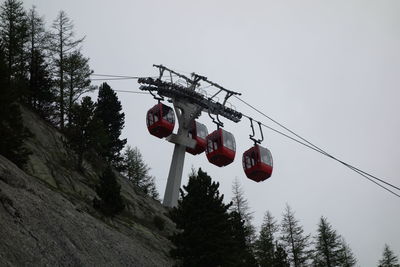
[257, 163]
[198, 132]
[160, 120]
[221, 148]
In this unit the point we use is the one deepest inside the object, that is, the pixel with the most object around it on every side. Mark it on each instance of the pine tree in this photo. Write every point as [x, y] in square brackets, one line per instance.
[40, 94]
[293, 239]
[280, 257]
[109, 191]
[265, 244]
[137, 171]
[12, 131]
[13, 36]
[85, 131]
[62, 44]
[241, 206]
[77, 78]
[347, 258]
[205, 236]
[109, 111]
[244, 252]
[388, 258]
[327, 245]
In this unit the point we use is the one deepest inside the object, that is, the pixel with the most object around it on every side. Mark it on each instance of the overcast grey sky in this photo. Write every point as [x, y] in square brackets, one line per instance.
[327, 69]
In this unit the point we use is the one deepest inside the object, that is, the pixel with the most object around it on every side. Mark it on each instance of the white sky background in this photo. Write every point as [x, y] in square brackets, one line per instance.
[329, 70]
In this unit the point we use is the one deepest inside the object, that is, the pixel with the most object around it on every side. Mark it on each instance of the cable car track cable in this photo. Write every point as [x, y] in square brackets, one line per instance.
[313, 148]
[125, 91]
[117, 76]
[111, 79]
[321, 151]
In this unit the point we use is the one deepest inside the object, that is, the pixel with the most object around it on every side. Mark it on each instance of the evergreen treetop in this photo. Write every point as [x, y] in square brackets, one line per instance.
[77, 78]
[347, 258]
[265, 244]
[85, 131]
[62, 44]
[327, 245]
[137, 171]
[294, 241]
[13, 36]
[41, 95]
[241, 206]
[109, 111]
[389, 259]
[206, 237]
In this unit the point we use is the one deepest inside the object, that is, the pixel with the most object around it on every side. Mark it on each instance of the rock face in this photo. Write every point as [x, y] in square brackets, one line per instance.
[47, 219]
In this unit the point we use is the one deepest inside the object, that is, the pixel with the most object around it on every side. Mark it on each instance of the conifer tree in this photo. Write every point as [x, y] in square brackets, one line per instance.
[137, 171]
[13, 36]
[109, 191]
[280, 257]
[109, 112]
[346, 258]
[327, 245]
[388, 258]
[293, 239]
[241, 206]
[205, 236]
[85, 131]
[244, 252]
[62, 44]
[40, 94]
[12, 131]
[265, 244]
[77, 78]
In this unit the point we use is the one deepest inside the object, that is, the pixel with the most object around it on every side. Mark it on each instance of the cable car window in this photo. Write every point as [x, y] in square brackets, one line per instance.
[248, 162]
[150, 120]
[210, 146]
[254, 158]
[201, 130]
[215, 143]
[229, 140]
[266, 156]
[169, 116]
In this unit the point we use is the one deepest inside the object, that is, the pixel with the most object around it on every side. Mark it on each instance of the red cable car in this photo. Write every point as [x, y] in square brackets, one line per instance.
[257, 163]
[160, 120]
[198, 132]
[221, 147]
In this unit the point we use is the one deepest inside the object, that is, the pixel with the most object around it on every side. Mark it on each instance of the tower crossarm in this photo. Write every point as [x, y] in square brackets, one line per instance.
[178, 92]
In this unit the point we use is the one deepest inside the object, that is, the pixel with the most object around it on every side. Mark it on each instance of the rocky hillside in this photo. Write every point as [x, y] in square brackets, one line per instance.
[46, 214]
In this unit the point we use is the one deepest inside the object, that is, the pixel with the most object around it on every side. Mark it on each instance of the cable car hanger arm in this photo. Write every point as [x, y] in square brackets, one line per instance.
[162, 68]
[256, 141]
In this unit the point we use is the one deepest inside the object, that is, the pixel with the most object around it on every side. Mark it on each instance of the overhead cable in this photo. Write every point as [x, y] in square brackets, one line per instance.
[310, 145]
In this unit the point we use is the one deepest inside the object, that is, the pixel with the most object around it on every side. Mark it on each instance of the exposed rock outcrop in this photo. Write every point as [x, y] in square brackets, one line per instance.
[46, 214]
